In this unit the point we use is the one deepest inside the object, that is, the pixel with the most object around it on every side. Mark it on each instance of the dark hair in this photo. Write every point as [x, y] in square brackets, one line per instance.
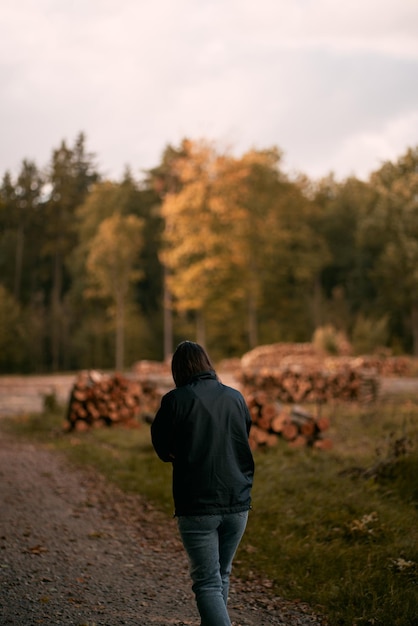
[188, 360]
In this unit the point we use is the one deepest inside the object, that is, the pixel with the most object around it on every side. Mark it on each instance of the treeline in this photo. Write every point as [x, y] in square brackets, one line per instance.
[227, 250]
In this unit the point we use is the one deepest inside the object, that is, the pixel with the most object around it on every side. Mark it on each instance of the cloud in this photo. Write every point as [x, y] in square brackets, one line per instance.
[388, 142]
[311, 76]
[383, 27]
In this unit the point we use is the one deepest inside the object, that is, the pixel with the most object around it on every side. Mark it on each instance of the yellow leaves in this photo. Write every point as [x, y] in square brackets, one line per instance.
[196, 228]
[231, 219]
[38, 549]
[198, 160]
[368, 525]
[114, 251]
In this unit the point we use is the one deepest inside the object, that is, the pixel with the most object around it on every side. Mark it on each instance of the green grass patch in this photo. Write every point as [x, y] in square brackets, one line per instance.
[338, 529]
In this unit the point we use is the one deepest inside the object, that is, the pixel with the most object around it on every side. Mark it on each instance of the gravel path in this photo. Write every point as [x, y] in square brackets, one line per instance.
[26, 394]
[76, 550]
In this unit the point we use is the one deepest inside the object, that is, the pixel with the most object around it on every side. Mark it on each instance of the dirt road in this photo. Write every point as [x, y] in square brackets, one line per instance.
[75, 550]
[26, 394]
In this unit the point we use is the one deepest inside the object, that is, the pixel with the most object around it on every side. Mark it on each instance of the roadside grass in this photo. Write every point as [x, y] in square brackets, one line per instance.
[337, 529]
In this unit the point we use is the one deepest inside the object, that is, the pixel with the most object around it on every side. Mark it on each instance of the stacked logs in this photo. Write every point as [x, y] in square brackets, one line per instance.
[281, 354]
[146, 369]
[272, 355]
[289, 374]
[273, 421]
[299, 373]
[313, 383]
[98, 400]
[387, 366]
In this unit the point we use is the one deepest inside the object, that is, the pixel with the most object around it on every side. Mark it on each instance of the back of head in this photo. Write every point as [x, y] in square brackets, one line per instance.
[188, 360]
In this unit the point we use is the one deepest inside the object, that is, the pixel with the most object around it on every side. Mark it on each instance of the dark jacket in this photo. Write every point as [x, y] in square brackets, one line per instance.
[202, 428]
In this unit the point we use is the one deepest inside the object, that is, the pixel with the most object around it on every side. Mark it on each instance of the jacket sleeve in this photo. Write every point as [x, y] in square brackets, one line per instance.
[246, 414]
[248, 419]
[162, 431]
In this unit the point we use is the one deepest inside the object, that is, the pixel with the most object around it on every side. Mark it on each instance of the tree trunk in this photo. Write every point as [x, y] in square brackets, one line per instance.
[120, 333]
[414, 327]
[18, 262]
[56, 313]
[200, 328]
[317, 302]
[168, 319]
[252, 320]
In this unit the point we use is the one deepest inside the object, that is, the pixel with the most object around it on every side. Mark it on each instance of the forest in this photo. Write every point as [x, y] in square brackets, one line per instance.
[224, 249]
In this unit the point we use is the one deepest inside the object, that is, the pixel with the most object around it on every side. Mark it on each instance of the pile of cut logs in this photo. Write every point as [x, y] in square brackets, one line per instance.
[313, 383]
[280, 354]
[272, 355]
[145, 369]
[274, 380]
[98, 400]
[273, 421]
[387, 366]
[297, 373]
[289, 374]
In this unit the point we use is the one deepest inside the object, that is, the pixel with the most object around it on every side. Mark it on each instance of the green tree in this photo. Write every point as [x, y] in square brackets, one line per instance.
[112, 269]
[345, 278]
[20, 210]
[70, 176]
[7, 231]
[11, 332]
[106, 199]
[28, 192]
[23, 270]
[161, 182]
[293, 255]
[392, 227]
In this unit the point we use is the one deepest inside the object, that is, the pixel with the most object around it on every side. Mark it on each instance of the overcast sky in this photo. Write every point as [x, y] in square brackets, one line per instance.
[333, 84]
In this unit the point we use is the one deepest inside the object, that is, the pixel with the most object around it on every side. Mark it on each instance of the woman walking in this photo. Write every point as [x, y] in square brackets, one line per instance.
[202, 428]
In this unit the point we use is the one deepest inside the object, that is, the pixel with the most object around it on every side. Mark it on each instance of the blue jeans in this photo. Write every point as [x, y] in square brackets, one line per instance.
[211, 542]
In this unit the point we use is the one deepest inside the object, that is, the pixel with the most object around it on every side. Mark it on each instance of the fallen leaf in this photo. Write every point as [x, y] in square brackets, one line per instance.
[38, 549]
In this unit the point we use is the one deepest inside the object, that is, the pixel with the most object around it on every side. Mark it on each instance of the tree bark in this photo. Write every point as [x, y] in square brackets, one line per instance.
[200, 328]
[56, 312]
[252, 320]
[120, 332]
[19, 262]
[168, 318]
[414, 327]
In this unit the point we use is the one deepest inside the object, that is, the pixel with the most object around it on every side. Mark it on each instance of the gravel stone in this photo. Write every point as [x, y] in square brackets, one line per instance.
[74, 549]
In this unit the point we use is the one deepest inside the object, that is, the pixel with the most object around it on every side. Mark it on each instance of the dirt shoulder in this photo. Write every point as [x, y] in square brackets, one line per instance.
[76, 550]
